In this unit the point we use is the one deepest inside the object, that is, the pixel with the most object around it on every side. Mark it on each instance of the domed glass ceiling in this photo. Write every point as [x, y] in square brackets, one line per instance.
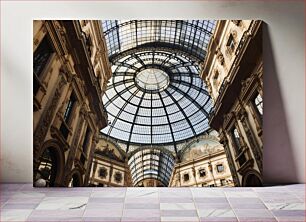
[155, 95]
[152, 80]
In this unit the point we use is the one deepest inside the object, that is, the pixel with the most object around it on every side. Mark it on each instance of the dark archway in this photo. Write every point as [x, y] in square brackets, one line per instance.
[48, 166]
[252, 179]
[51, 164]
[75, 179]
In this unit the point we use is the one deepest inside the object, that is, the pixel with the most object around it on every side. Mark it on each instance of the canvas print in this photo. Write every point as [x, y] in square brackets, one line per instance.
[147, 103]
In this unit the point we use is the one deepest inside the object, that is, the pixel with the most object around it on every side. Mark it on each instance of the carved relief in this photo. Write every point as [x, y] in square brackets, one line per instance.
[220, 56]
[234, 33]
[45, 121]
[246, 83]
[200, 147]
[85, 22]
[97, 57]
[61, 30]
[237, 22]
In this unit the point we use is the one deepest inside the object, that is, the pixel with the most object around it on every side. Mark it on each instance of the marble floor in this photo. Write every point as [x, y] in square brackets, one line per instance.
[22, 202]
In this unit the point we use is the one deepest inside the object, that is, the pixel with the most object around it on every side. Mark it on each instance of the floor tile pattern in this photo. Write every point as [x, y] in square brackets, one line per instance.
[22, 202]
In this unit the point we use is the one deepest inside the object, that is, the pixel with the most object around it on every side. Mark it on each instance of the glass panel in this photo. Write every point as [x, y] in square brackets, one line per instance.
[151, 163]
[236, 138]
[156, 96]
[191, 36]
[259, 104]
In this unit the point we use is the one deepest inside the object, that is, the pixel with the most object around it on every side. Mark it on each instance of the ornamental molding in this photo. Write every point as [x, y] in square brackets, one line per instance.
[47, 117]
[74, 144]
[219, 55]
[227, 118]
[101, 137]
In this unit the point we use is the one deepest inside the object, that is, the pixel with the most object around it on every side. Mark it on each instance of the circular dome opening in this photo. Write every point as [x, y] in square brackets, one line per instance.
[154, 80]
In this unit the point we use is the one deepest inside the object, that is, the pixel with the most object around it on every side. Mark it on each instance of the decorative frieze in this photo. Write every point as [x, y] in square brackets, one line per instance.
[237, 22]
[47, 117]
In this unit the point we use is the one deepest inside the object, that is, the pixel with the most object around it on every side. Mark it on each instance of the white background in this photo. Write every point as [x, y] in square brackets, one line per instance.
[284, 72]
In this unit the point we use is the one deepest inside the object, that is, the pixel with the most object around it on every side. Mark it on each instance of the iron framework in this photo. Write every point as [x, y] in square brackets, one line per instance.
[168, 116]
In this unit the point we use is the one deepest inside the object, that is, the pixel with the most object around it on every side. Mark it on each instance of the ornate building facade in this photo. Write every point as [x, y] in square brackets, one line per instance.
[202, 163]
[233, 74]
[109, 168]
[123, 103]
[70, 73]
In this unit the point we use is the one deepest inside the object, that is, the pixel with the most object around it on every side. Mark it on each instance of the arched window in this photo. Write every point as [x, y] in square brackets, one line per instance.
[48, 167]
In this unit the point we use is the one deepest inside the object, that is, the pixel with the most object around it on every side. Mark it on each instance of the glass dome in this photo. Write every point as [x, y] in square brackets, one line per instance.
[155, 95]
[155, 116]
[154, 80]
